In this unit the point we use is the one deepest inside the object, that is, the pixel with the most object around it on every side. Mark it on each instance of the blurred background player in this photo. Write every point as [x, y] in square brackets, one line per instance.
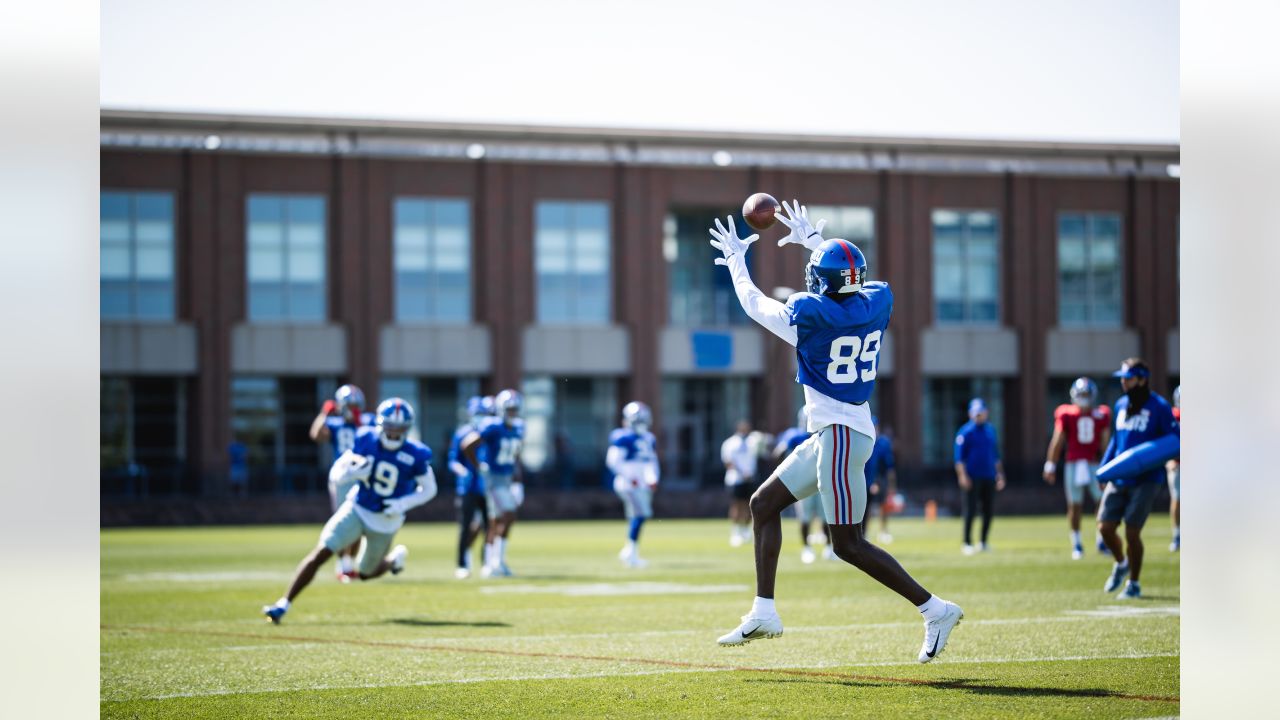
[494, 448]
[836, 329]
[634, 464]
[336, 425]
[882, 480]
[810, 508]
[1141, 416]
[1084, 427]
[392, 475]
[978, 471]
[473, 507]
[739, 457]
[1174, 469]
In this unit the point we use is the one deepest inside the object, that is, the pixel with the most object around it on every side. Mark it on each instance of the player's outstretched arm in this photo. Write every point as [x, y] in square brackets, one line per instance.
[319, 430]
[765, 310]
[796, 218]
[1051, 458]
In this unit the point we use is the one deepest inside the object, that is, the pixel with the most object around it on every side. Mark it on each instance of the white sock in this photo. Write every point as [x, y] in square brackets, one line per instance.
[488, 554]
[283, 603]
[1075, 537]
[631, 546]
[500, 548]
[344, 563]
[1124, 564]
[932, 608]
[763, 607]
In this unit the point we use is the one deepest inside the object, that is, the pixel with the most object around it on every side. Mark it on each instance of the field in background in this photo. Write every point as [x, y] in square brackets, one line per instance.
[575, 634]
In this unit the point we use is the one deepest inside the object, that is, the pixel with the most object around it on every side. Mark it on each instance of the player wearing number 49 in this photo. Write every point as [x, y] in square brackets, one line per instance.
[392, 475]
[836, 328]
[634, 464]
[337, 424]
[1084, 427]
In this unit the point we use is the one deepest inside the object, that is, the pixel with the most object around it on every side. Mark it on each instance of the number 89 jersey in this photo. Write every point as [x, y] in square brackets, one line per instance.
[394, 473]
[838, 341]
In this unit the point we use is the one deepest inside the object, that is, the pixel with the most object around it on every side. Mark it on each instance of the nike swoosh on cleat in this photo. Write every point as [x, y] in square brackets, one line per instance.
[935, 646]
[749, 632]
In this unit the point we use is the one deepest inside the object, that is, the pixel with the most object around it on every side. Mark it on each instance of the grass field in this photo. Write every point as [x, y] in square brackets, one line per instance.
[577, 635]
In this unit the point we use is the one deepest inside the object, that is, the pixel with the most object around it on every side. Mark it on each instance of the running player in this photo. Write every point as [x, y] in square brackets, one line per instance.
[494, 448]
[1084, 427]
[810, 508]
[836, 329]
[393, 475]
[1141, 415]
[473, 509]
[1174, 469]
[882, 480]
[336, 425]
[634, 464]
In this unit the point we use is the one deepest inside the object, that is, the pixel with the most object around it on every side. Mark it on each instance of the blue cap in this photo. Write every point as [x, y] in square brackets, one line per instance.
[976, 406]
[1135, 370]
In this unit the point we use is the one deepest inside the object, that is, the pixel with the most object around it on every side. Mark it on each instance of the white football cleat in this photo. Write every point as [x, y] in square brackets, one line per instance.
[885, 538]
[637, 562]
[462, 573]
[807, 557]
[397, 557]
[829, 553]
[735, 539]
[1077, 553]
[937, 631]
[488, 571]
[968, 550]
[753, 628]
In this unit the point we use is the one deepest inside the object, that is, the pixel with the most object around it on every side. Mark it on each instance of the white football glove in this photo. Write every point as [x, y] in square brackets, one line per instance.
[728, 242]
[517, 493]
[796, 217]
[350, 467]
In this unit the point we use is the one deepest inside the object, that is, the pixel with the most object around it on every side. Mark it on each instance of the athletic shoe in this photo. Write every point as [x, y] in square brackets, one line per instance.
[1102, 546]
[489, 571]
[985, 547]
[1118, 572]
[1077, 552]
[968, 549]
[807, 557]
[753, 628]
[397, 556]
[937, 631]
[462, 573]
[502, 570]
[1175, 545]
[885, 538]
[735, 539]
[636, 562]
[1131, 591]
[273, 613]
[829, 553]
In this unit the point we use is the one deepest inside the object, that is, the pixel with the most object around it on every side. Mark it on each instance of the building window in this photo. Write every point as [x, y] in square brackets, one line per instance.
[946, 408]
[271, 417]
[699, 292]
[136, 244]
[966, 267]
[143, 435]
[432, 260]
[286, 260]
[567, 426]
[855, 224]
[572, 262]
[1089, 269]
[698, 414]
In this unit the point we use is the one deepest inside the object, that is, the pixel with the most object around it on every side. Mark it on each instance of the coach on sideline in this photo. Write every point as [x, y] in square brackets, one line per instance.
[978, 471]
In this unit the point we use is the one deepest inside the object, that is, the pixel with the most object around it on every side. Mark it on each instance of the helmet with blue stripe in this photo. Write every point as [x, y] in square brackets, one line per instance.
[478, 406]
[636, 415]
[1084, 392]
[508, 403]
[394, 418]
[349, 399]
[837, 266]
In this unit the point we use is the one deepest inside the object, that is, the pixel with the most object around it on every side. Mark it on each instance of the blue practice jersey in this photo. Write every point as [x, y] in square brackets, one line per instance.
[976, 447]
[838, 341]
[881, 460]
[342, 434]
[470, 483]
[1154, 421]
[394, 473]
[790, 439]
[500, 444]
[636, 446]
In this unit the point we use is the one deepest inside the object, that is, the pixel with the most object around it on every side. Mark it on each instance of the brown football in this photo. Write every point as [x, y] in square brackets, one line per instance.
[760, 211]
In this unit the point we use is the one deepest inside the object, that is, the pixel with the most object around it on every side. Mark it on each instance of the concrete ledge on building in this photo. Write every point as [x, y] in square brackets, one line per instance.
[1071, 351]
[1174, 352]
[129, 348]
[969, 351]
[319, 349]
[436, 349]
[580, 349]
[716, 351]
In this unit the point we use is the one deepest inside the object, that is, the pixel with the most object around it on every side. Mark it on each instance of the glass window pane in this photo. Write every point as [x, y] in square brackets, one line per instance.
[306, 301]
[1107, 227]
[1103, 253]
[1106, 313]
[948, 279]
[265, 234]
[950, 311]
[306, 210]
[266, 301]
[411, 239]
[453, 213]
[552, 215]
[155, 300]
[116, 263]
[266, 208]
[265, 264]
[1071, 227]
[983, 281]
[451, 248]
[306, 235]
[155, 263]
[1071, 313]
[411, 303]
[306, 265]
[410, 211]
[552, 249]
[115, 299]
[1071, 255]
[591, 251]
[411, 260]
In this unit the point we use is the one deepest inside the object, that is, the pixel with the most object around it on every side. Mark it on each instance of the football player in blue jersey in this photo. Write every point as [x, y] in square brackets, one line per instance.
[392, 475]
[634, 463]
[473, 510]
[494, 448]
[1140, 416]
[336, 425]
[810, 508]
[836, 328]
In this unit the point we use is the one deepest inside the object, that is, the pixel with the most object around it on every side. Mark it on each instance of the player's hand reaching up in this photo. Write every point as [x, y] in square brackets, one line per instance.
[796, 217]
[728, 242]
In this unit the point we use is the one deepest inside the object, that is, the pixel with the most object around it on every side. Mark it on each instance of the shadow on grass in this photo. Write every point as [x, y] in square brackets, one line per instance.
[427, 622]
[968, 685]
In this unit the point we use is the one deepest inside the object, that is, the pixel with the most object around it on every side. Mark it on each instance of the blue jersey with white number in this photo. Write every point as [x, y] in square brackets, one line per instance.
[1153, 421]
[342, 434]
[394, 473]
[500, 444]
[838, 341]
[470, 483]
[636, 446]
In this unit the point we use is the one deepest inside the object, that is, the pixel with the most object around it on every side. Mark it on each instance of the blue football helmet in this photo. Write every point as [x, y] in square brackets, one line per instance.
[1084, 392]
[478, 406]
[636, 415]
[508, 403]
[394, 417]
[836, 266]
[349, 400]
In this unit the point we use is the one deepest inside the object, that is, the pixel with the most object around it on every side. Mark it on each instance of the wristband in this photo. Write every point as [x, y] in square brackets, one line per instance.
[1049, 467]
[328, 407]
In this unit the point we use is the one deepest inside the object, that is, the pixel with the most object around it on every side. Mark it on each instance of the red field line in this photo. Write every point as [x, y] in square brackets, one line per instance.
[602, 658]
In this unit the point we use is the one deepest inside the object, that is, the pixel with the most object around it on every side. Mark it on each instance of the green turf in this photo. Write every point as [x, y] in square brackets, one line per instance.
[576, 634]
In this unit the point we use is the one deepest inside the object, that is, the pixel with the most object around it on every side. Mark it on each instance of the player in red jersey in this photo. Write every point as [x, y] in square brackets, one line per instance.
[1084, 427]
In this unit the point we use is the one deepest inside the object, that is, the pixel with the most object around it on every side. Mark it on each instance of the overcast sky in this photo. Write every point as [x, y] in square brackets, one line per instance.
[1009, 69]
